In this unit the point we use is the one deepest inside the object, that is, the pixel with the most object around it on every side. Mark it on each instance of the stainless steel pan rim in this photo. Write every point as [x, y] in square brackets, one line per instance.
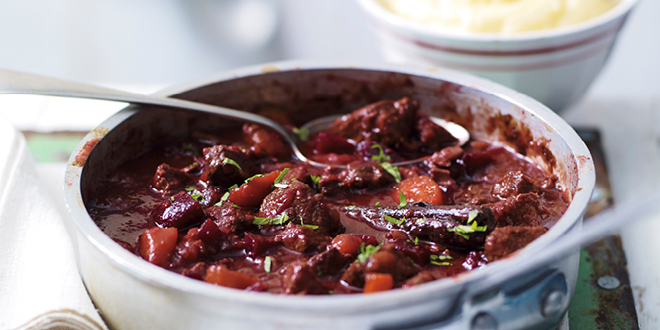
[349, 304]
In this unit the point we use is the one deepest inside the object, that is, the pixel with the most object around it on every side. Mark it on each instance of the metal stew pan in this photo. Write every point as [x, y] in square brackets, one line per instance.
[133, 294]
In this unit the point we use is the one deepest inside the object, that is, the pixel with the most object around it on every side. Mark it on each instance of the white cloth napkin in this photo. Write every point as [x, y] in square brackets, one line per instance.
[40, 287]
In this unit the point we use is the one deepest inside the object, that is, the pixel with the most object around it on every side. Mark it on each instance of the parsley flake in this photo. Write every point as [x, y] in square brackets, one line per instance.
[472, 216]
[377, 204]
[315, 179]
[267, 264]
[281, 175]
[190, 188]
[395, 220]
[366, 251]
[198, 198]
[278, 220]
[414, 240]
[351, 207]
[252, 177]
[314, 227]
[421, 220]
[302, 133]
[381, 157]
[463, 231]
[230, 161]
[441, 263]
[402, 200]
[393, 170]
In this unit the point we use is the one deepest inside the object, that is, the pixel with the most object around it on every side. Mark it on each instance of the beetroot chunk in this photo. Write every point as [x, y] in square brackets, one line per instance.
[178, 211]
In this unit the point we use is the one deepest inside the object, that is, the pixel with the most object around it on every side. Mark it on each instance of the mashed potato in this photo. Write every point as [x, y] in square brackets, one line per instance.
[497, 16]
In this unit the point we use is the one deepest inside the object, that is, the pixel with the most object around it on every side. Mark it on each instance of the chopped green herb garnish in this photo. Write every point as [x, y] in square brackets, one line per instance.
[303, 133]
[191, 188]
[381, 157]
[377, 204]
[252, 177]
[441, 257]
[414, 240]
[193, 164]
[421, 220]
[395, 220]
[267, 264]
[281, 175]
[172, 199]
[393, 170]
[189, 147]
[441, 263]
[277, 183]
[218, 204]
[230, 161]
[472, 216]
[234, 206]
[196, 197]
[232, 187]
[225, 196]
[366, 251]
[308, 226]
[315, 179]
[318, 271]
[351, 207]
[279, 220]
[463, 230]
[402, 200]
[331, 292]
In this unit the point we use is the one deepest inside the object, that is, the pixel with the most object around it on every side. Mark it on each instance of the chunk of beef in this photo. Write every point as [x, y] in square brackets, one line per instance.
[518, 210]
[299, 201]
[432, 136]
[387, 122]
[445, 157]
[329, 185]
[168, 179]
[506, 240]
[354, 274]
[301, 278]
[405, 245]
[256, 245]
[230, 219]
[203, 242]
[329, 262]
[385, 260]
[302, 239]
[227, 165]
[361, 176]
[178, 211]
[389, 260]
[514, 183]
[197, 271]
[263, 142]
[297, 173]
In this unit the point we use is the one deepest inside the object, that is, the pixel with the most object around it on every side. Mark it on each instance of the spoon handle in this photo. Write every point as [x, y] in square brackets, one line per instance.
[13, 82]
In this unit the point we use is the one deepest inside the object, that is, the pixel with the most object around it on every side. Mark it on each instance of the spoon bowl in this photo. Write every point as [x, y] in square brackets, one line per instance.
[14, 82]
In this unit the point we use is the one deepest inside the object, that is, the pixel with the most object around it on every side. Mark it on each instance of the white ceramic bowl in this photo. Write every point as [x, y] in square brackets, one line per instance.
[553, 66]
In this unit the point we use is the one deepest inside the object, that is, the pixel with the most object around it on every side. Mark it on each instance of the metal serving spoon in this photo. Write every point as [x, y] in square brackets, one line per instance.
[13, 82]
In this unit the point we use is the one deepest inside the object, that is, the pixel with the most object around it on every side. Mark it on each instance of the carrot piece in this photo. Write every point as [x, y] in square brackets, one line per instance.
[253, 192]
[422, 189]
[220, 275]
[347, 243]
[157, 245]
[376, 282]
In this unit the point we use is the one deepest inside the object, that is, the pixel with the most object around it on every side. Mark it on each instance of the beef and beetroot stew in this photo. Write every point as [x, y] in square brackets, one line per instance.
[237, 210]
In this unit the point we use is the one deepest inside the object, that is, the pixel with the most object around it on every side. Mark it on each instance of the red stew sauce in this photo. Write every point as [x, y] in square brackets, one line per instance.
[240, 212]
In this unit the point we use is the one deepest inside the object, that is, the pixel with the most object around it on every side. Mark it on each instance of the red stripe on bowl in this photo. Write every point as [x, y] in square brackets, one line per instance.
[520, 67]
[534, 51]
